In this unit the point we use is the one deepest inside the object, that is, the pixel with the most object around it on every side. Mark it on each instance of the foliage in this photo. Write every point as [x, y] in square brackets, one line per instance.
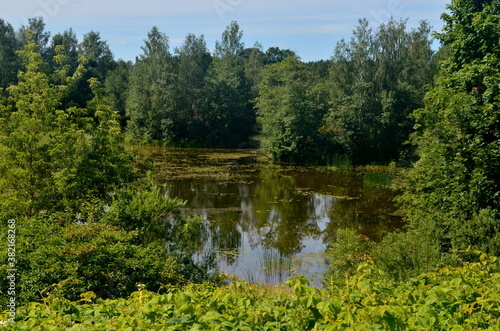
[193, 63]
[9, 62]
[149, 102]
[141, 237]
[465, 298]
[52, 157]
[66, 179]
[406, 254]
[343, 256]
[63, 53]
[275, 55]
[116, 87]
[57, 256]
[254, 59]
[144, 207]
[376, 80]
[98, 54]
[194, 98]
[291, 106]
[34, 32]
[229, 116]
[452, 196]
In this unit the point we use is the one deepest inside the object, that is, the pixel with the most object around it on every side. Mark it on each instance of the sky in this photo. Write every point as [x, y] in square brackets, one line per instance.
[310, 28]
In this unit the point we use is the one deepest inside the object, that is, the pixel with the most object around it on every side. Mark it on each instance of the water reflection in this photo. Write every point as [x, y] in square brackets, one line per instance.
[265, 220]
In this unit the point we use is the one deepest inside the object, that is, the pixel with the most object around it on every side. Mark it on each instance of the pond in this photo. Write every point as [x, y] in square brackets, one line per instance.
[267, 222]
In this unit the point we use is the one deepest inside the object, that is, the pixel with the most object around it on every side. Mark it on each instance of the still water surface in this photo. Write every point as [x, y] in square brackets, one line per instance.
[267, 222]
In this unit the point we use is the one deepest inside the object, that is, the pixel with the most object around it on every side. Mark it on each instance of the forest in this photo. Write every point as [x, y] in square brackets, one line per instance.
[94, 243]
[355, 105]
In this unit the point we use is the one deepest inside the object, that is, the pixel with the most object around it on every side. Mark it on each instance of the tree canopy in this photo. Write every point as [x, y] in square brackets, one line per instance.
[452, 194]
[52, 156]
[190, 96]
[376, 80]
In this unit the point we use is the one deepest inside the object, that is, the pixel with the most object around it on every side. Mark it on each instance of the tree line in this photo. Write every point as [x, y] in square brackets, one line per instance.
[356, 104]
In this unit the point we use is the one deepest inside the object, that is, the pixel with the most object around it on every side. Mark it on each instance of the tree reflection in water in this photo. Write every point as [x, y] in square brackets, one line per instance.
[265, 220]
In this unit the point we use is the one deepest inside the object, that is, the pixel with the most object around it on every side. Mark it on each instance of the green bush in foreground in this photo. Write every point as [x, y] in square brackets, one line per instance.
[344, 254]
[465, 298]
[85, 218]
[68, 259]
[141, 238]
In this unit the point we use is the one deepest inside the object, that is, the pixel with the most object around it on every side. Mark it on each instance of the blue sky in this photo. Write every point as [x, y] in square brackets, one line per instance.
[310, 28]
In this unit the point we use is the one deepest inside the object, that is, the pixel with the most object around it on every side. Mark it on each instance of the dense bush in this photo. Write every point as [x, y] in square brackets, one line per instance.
[466, 298]
[452, 192]
[343, 256]
[141, 237]
[144, 207]
[58, 255]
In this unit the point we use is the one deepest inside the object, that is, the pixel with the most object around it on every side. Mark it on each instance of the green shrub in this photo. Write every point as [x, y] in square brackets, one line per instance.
[465, 298]
[405, 254]
[61, 257]
[143, 238]
[344, 254]
[144, 207]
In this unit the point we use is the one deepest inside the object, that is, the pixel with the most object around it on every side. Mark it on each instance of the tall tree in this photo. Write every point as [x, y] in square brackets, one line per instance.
[452, 196]
[63, 60]
[68, 43]
[275, 54]
[150, 98]
[231, 45]
[230, 117]
[37, 34]
[99, 60]
[193, 62]
[455, 186]
[291, 106]
[377, 79]
[405, 64]
[54, 159]
[191, 97]
[254, 63]
[98, 54]
[353, 106]
[9, 62]
[116, 87]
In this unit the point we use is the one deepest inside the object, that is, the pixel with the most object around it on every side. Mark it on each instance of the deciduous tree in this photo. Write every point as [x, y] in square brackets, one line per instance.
[453, 191]
[377, 80]
[9, 61]
[54, 158]
[194, 60]
[229, 117]
[291, 106]
[150, 97]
